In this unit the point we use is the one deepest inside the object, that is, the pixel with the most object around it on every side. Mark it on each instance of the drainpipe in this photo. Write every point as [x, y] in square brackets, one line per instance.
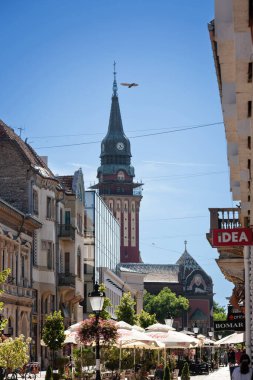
[247, 251]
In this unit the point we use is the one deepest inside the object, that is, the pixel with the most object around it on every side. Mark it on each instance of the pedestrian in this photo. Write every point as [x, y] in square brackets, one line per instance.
[225, 358]
[244, 371]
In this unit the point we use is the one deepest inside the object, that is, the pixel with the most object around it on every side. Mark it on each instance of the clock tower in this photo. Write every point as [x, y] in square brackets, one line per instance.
[115, 182]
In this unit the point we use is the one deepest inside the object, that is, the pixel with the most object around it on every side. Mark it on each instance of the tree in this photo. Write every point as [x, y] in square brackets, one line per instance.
[125, 310]
[145, 319]
[14, 353]
[104, 314]
[53, 331]
[164, 304]
[167, 373]
[185, 375]
[219, 312]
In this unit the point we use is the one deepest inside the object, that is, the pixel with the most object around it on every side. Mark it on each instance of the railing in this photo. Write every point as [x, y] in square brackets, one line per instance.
[18, 291]
[224, 218]
[66, 231]
[66, 279]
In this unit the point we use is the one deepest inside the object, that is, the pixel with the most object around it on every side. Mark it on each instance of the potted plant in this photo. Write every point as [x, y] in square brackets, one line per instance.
[185, 375]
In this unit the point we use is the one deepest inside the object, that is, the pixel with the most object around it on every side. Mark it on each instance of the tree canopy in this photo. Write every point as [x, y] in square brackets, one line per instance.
[53, 331]
[104, 313]
[145, 319]
[125, 311]
[164, 304]
[219, 312]
[14, 353]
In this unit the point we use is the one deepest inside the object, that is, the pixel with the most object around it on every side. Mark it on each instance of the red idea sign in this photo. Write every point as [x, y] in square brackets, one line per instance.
[233, 236]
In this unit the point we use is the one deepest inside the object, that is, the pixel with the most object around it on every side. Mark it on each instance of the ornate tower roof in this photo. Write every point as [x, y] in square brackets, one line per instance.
[115, 147]
[187, 263]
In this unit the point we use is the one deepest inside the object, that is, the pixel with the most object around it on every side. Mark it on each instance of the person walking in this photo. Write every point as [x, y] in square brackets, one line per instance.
[244, 371]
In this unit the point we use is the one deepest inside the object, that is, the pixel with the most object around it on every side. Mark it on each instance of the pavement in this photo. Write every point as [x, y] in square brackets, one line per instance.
[221, 373]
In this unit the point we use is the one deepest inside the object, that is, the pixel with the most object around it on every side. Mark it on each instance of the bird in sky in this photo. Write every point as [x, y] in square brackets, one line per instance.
[129, 85]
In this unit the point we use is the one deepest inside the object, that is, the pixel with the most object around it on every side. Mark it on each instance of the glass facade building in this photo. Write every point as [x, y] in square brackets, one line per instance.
[104, 230]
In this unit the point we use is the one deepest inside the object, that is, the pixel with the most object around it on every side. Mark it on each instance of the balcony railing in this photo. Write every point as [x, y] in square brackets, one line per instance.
[67, 279]
[224, 218]
[17, 291]
[66, 231]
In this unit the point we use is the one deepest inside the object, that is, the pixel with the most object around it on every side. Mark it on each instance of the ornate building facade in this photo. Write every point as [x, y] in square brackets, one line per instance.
[115, 182]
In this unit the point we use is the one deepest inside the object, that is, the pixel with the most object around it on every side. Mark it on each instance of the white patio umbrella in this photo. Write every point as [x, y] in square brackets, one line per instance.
[232, 339]
[174, 339]
[71, 337]
[159, 327]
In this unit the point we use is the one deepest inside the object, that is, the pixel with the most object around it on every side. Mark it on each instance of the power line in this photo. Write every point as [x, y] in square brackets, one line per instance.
[128, 131]
[133, 137]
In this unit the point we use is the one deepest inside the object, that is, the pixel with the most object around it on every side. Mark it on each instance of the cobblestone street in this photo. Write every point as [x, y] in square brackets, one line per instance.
[221, 374]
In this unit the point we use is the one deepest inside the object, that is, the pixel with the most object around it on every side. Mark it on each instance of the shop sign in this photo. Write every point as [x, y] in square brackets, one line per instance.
[237, 325]
[232, 236]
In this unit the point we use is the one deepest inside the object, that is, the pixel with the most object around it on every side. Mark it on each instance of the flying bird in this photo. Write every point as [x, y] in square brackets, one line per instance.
[129, 85]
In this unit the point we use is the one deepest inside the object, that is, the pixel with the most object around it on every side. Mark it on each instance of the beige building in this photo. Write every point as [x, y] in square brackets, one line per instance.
[16, 241]
[231, 38]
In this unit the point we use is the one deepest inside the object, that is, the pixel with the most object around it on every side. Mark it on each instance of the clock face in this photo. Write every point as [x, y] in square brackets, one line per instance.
[120, 146]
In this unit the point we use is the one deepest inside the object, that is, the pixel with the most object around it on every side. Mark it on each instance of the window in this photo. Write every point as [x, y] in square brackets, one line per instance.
[50, 255]
[250, 72]
[79, 262]
[249, 142]
[249, 108]
[49, 208]
[67, 262]
[22, 266]
[35, 203]
[79, 223]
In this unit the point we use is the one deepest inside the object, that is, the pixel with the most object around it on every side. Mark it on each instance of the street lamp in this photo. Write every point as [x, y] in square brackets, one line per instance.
[97, 300]
[169, 321]
[210, 333]
[196, 330]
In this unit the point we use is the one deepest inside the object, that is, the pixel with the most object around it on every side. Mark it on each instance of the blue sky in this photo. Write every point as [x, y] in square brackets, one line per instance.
[56, 83]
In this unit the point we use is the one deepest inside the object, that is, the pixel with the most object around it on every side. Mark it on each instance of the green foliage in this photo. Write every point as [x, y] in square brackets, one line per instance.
[165, 303]
[60, 363]
[125, 310]
[14, 353]
[219, 312]
[104, 314]
[84, 356]
[145, 319]
[111, 358]
[53, 331]
[185, 375]
[49, 373]
[167, 373]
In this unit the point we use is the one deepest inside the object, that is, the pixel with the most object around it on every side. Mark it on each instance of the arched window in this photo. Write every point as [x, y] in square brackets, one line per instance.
[79, 262]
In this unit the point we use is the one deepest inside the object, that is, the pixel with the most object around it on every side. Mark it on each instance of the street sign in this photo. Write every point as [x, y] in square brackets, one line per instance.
[231, 237]
[237, 325]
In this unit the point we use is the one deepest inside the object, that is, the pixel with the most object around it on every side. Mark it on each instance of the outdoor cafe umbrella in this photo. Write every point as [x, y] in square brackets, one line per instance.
[231, 339]
[174, 339]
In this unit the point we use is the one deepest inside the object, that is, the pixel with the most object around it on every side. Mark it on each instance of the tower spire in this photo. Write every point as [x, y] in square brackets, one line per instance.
[115, 86]
[185, 244]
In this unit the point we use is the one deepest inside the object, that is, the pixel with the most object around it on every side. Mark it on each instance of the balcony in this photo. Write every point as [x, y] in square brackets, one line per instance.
[230, 259]
[66, 231]
[67, 279]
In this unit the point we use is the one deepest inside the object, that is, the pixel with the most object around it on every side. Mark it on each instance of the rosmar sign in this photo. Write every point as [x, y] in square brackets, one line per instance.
[232, 236]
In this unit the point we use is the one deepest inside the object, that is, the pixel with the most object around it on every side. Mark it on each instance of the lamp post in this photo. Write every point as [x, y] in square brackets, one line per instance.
[196, 330]
[210, 333]
[169, 321]
[97, 300]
